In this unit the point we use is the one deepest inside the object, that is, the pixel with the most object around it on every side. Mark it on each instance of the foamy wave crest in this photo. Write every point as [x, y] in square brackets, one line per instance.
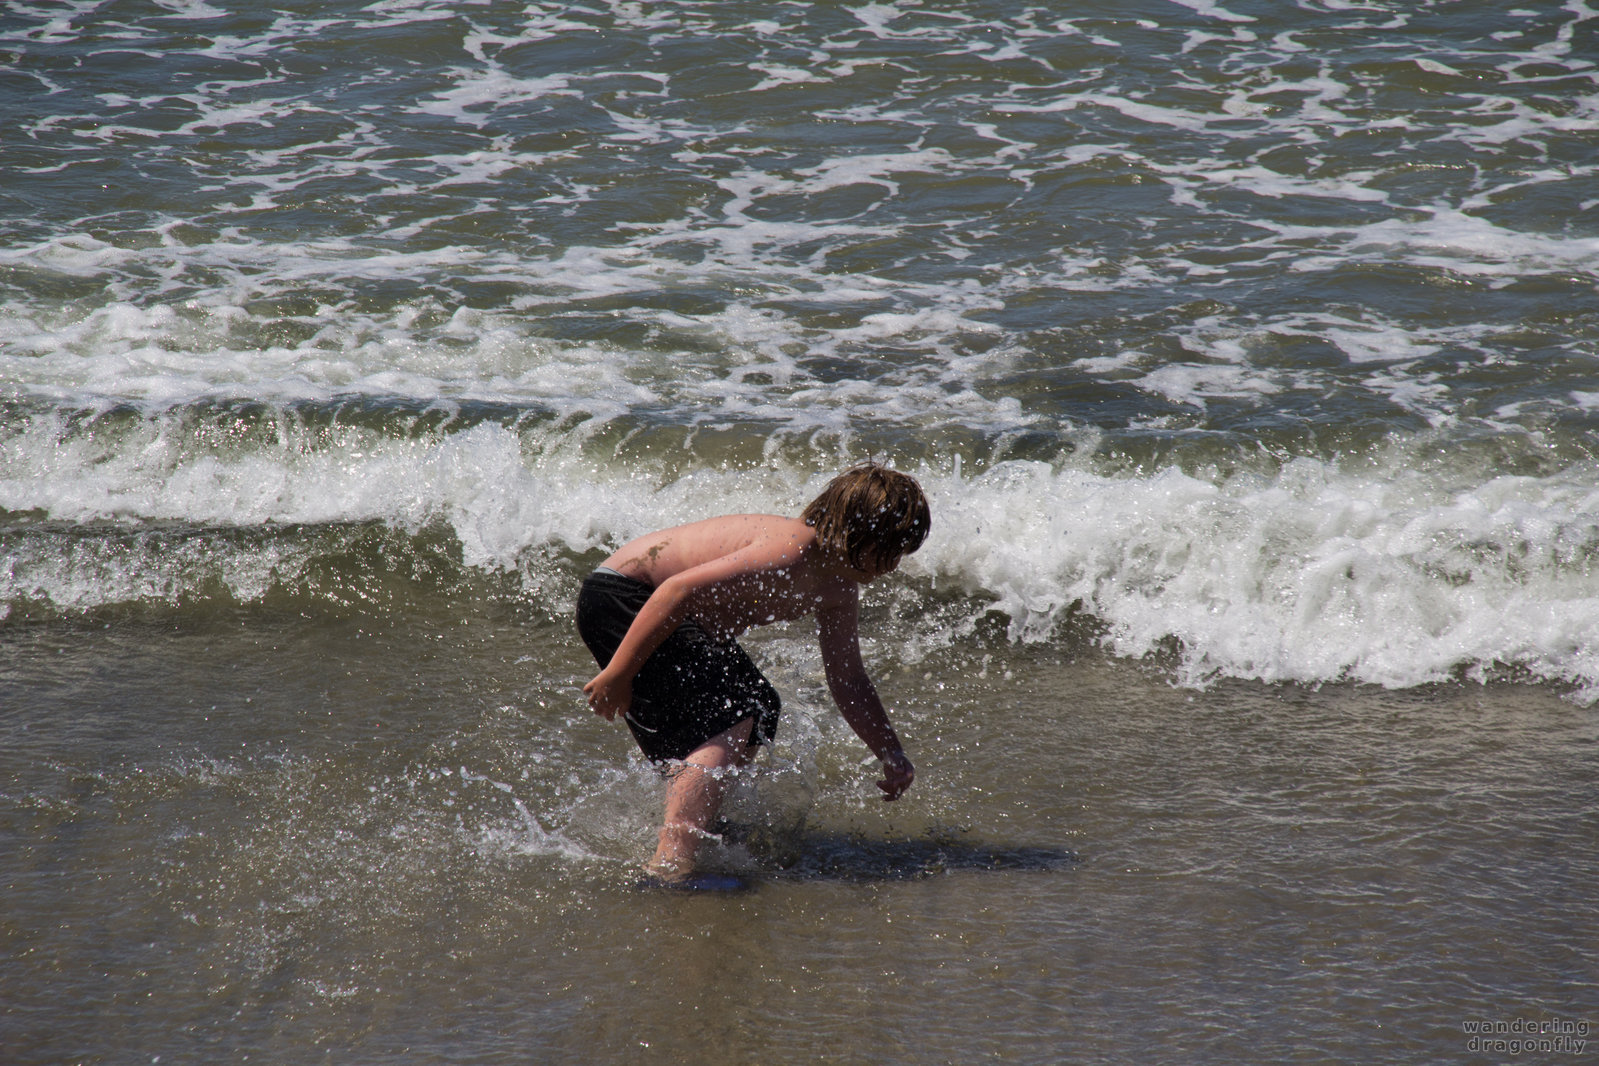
[1310, 574]
[182, 506]
[1384, 570]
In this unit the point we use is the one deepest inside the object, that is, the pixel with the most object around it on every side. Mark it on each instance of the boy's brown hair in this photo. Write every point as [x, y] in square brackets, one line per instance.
[870, 511]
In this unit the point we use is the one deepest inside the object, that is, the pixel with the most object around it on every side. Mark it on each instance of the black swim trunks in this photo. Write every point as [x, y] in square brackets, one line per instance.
[691, 689]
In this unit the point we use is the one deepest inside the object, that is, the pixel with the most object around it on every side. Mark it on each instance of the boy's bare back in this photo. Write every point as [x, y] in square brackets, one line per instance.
[739, 571]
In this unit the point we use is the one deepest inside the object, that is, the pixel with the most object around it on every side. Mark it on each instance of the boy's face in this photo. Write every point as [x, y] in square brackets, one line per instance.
[876, 564]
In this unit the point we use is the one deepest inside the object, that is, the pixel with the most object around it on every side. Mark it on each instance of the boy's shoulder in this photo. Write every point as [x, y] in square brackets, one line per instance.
[768, 532]
[730, 532]
[757, 535]
[754, 520]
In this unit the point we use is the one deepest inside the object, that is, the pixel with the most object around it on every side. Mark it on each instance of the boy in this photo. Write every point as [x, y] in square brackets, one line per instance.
[663, 613]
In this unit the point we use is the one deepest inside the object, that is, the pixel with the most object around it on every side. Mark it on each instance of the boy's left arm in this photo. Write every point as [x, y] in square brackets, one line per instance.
[838, 629]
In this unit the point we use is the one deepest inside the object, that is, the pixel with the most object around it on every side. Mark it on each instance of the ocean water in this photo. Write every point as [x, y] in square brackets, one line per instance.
[1248, 352]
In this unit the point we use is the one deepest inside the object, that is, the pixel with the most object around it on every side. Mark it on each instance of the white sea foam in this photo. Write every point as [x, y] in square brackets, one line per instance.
[166, 357]
[1377, 573]
[476, 94]
[1313, 575]
[1449, 239]
[1211, 9]
[193, 9]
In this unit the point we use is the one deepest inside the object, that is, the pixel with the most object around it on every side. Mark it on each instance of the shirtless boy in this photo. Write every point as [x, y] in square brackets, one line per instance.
[663, 613]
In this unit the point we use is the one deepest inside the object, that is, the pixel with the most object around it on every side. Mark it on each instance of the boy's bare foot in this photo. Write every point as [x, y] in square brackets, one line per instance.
[665, 871]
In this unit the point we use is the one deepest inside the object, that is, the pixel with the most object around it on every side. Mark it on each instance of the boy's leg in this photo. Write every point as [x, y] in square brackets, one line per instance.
[694, 796]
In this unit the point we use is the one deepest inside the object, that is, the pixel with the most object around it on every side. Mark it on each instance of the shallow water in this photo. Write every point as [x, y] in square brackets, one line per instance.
[413, 844]
[1246, 351]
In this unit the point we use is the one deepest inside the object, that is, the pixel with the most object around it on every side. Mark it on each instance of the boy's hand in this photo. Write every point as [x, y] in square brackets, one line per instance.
[608, 698]
[898, 773]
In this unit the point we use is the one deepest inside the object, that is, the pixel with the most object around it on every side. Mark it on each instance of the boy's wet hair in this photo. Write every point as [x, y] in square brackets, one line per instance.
[870, 511]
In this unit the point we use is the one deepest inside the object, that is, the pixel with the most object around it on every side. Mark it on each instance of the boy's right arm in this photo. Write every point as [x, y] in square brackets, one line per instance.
[609, 697]
[610, 692]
